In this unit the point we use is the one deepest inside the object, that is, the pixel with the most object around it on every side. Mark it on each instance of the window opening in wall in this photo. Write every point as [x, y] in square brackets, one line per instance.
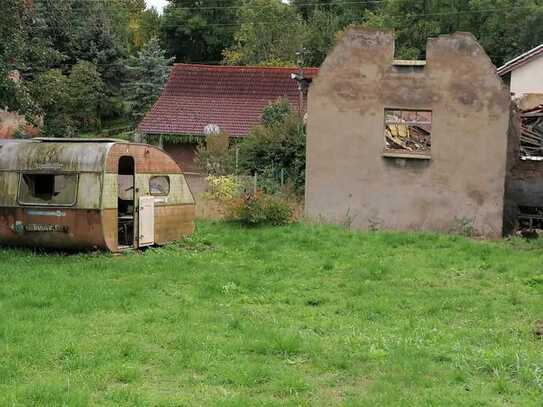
[531, 136]
[48, 189]
[159, 185]
[408, 130]
[408, 66]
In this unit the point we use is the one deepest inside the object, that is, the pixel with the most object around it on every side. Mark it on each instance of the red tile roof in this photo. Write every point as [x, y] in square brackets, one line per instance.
[231, 97]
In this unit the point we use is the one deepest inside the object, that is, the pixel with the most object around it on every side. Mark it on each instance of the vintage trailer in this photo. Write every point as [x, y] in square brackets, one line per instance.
[91, 194]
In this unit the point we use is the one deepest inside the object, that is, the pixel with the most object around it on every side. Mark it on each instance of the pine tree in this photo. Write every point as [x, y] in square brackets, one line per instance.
[147, 73]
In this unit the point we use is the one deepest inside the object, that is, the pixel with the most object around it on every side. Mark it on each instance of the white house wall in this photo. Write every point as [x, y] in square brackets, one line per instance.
[528, 78]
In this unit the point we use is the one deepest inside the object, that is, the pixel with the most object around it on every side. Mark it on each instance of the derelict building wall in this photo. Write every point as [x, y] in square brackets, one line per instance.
[348, 179]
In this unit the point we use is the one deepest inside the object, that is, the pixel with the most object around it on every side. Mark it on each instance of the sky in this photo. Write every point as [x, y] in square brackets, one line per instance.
[158, 4]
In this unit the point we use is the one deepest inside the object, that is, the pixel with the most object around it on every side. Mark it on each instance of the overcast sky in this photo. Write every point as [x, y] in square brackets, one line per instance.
[158, 4]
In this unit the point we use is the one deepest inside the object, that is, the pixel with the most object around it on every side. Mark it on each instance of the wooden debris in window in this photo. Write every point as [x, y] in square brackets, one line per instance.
[531, 137]
[408, 130]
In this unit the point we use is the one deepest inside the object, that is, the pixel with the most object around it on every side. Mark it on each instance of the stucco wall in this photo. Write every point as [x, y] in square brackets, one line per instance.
[184, 155]
[349, 181]
[528, 78]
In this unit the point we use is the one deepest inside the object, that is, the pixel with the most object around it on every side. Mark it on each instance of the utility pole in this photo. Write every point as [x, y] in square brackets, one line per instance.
[300, 78]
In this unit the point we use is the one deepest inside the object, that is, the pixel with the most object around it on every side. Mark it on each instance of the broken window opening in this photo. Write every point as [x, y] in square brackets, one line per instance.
[48, 189]
[531, 134]
[408, 131]
[530, 218]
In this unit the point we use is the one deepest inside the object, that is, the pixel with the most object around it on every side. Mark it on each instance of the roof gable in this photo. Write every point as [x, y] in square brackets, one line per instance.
[231, 97]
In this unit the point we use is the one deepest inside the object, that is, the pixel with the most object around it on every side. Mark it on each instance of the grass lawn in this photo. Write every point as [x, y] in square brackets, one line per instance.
[300, 315]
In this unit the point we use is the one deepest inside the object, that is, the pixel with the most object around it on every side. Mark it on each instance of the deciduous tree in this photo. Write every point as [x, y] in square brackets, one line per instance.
[270, 33]
[50, 90]
[278, 144]
[86, 91]
[198, 30]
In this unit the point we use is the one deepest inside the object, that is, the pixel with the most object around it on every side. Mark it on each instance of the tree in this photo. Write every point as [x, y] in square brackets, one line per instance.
[270, 33]
[215, 156]
[276, 112]
[325, 18]
[50, 90]
[349, 11]
[69, 102]
[277, 145]
[505, 28]
[98, 31]
[147, 73]
[323, 28]
[143, 24]
[86, 92]
[149, 25]
[24, 52]
[198, 30]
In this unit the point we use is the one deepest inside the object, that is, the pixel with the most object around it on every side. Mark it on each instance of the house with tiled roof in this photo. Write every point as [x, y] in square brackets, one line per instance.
[524, 74]
[199, 99]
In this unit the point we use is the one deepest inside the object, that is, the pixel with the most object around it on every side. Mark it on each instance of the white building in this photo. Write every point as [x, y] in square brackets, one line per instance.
[524, 74]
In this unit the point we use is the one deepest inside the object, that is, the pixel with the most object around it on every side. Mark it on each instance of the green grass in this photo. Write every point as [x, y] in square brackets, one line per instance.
[300, 315]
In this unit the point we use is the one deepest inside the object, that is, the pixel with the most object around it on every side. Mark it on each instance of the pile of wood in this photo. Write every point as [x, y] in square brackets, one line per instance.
[531, 137]
[410, 137]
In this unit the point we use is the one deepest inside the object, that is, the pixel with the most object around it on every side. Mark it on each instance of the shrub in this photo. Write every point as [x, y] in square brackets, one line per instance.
[222, 188]
[272, 148]
[276, 112]
[261, 209]
[215, 156]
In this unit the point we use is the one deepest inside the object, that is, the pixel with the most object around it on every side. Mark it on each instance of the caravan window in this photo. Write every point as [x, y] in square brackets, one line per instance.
[159, 185]
[48, 189]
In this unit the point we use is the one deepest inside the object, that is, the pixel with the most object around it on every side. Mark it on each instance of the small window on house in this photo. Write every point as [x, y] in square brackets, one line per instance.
[531, 137]
[48, 189]
[408, 131]
[159, 185]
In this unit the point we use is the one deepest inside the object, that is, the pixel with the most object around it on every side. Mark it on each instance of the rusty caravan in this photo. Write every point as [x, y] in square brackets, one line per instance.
[91, 194]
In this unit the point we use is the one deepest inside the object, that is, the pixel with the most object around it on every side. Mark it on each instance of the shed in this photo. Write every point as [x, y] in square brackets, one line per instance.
[228, 98]
[91, 194]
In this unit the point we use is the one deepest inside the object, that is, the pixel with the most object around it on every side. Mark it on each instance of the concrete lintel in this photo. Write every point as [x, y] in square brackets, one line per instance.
[408, 62]
[411, 155]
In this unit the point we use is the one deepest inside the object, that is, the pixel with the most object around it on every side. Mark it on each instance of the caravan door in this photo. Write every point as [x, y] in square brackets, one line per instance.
[146, 221]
